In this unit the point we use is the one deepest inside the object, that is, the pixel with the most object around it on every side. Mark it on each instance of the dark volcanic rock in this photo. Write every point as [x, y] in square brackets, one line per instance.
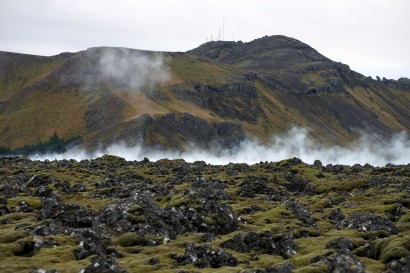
[73, 216]
[26, 249]
[208, 189]
[104, 264]
[368, 222]
[235, 100]
[145, 217]
[204, 256]
[298, 184]
[341, 245]
[37, 180]
[253, 185]
[4, 210]
[177, 130]
[342, 263]
[268, 243]
[336, 215]
[300, 211]
[398, 267]
[196, 130]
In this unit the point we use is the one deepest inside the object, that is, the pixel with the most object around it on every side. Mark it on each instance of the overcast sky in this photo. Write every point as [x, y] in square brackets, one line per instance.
[371, 36]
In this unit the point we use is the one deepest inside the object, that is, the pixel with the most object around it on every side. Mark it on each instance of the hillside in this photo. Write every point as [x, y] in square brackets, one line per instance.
[220, 93]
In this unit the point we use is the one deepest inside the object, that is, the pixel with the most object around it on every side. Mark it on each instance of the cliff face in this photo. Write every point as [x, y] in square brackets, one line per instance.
[217, 94]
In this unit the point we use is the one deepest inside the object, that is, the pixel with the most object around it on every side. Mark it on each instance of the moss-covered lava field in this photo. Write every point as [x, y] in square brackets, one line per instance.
[113, 215]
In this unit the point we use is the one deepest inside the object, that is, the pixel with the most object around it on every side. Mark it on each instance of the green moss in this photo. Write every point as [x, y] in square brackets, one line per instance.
[392, 248]
[34, 202]
[318, 267]
[128, 239]
[10, 235]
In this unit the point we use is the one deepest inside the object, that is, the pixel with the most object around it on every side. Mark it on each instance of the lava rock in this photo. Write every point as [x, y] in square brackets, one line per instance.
[282, 268]
[26, 249]
[23, 206]
[208, 189]
[368, 222]
[43, 191]
[341, 245]
[336, 215]
[267, 243]
[104, 264]
[397, 267]
[204, 256]
[395, 213]
[253, 185]
[300, 211]
[298, 185]
[342, 263]
[4, 210]
[38, 180]
[154, 261]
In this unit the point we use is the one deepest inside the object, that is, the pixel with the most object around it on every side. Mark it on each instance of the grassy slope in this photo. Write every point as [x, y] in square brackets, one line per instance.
[20, 70]
[387, 105]
[39, 115]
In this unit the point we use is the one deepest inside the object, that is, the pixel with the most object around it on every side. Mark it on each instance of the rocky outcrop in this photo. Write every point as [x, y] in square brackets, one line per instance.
[169, 131]
[190, 128]
[272, 52]
[235, 100]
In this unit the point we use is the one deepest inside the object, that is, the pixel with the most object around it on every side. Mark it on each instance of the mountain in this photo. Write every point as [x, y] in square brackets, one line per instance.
[218, 94]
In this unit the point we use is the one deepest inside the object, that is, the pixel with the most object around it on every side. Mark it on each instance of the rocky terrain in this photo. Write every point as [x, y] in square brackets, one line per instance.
[113, 215]
[215, 95]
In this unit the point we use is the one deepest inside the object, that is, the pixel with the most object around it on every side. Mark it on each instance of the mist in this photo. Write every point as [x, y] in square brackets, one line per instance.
[132, 69]
[367, 149]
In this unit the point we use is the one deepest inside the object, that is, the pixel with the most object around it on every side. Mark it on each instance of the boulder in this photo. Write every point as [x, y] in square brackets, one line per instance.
[368, 222]
[204, 256]
[104, 264]
[266, 243]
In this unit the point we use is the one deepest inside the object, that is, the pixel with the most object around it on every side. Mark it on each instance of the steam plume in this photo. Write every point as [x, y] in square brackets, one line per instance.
[132, 69]
[295, 143]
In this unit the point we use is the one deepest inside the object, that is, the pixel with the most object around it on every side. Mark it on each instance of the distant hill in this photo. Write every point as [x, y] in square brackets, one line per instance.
[217, 94]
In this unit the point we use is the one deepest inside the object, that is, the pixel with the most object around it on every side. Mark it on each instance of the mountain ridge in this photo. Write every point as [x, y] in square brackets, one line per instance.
[262, 87]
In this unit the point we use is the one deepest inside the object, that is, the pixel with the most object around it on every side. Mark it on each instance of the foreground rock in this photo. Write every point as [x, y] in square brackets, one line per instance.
[113, 215]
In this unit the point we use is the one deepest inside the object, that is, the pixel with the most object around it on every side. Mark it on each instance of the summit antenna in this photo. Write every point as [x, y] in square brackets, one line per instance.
[223, 28]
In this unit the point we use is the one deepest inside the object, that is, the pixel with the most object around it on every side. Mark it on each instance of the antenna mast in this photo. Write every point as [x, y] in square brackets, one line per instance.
[223, 28]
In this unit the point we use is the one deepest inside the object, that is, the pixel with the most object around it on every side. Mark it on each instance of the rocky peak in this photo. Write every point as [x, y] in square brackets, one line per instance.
[262, 53]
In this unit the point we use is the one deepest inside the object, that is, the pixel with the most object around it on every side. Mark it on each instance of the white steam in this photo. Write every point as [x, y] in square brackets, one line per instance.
[295, 143]
[132, 69]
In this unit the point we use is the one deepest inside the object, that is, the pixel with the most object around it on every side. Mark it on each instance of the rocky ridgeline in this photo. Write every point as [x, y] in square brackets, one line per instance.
[113, 215]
